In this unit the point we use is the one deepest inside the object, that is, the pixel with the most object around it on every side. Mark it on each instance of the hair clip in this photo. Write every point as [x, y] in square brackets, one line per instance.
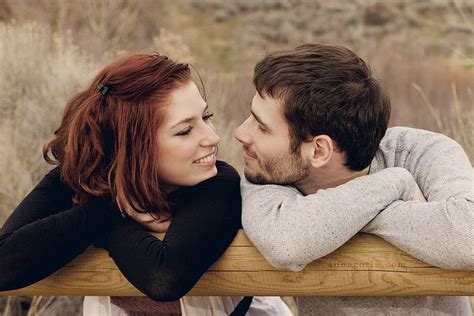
[102, 89]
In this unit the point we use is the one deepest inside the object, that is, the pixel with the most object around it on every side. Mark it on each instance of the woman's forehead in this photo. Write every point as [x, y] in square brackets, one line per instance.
[185, 103]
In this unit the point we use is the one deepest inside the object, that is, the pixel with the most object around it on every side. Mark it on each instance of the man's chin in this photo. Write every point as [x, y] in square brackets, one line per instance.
[255, 177]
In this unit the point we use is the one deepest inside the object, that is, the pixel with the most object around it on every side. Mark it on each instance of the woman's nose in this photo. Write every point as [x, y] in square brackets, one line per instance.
[211, 138]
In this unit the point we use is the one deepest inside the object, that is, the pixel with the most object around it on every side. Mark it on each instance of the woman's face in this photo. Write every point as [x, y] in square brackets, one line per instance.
[187, 140]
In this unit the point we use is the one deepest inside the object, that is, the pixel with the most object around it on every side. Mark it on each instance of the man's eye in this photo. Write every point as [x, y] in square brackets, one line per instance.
[185, 131]
[207, 116]
[260, 128]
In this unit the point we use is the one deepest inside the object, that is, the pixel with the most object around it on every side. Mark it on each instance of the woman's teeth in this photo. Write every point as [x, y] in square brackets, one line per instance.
[206, 159]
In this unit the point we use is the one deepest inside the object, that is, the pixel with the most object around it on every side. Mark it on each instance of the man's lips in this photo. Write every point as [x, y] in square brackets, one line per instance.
[249, 155]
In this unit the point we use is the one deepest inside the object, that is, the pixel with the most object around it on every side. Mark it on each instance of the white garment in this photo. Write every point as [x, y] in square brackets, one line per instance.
[224, 305]
[196, 306]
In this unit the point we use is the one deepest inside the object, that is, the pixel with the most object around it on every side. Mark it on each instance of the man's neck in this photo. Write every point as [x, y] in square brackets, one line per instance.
[329, 177]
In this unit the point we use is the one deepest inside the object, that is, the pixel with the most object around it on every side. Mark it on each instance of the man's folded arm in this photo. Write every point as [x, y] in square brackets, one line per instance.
[441, 230]
[292, 230]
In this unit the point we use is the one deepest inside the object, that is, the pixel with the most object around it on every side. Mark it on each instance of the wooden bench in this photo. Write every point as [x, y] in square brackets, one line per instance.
[365, 266]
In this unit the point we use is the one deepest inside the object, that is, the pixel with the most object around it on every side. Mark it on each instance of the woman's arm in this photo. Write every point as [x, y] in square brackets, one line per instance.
[205, 221]
[44, 233]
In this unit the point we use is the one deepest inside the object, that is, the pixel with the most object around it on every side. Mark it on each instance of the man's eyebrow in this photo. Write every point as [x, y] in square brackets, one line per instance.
[258, 119]
[189, 119]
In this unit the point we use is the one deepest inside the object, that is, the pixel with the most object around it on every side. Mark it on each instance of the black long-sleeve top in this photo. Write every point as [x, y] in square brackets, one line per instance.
[46, 231]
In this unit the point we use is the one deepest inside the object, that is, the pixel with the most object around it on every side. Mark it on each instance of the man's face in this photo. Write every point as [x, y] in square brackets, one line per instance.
[266, 142]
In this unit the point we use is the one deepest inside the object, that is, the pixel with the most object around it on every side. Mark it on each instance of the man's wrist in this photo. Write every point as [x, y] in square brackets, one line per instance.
[404, 182]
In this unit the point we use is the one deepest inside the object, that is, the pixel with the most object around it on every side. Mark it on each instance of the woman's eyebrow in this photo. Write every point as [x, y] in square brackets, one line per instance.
[189, 119]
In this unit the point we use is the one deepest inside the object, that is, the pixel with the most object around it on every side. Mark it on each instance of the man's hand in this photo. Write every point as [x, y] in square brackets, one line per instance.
[419, 195]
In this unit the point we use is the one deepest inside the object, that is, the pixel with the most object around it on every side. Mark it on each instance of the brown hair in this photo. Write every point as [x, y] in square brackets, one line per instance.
[327, 90]
[106, 143]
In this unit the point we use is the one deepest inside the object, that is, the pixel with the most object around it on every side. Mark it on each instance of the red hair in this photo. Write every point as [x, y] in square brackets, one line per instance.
[107, 144]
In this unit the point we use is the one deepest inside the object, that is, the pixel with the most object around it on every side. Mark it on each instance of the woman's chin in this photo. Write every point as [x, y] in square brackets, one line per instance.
[194, 178]
[212, 171]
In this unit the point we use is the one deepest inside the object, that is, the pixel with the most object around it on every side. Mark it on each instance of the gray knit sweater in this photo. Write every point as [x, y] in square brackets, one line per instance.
[292, 230]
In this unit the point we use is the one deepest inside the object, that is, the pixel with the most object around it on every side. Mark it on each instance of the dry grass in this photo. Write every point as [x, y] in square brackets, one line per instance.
[40, 71]
[427, 91]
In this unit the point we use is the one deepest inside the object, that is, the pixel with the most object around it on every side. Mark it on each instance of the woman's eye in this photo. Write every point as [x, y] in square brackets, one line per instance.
[185, 131]
[260, 128]
[207, 116]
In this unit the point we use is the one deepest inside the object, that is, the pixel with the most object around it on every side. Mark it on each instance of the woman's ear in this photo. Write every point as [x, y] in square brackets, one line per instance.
[319, 151]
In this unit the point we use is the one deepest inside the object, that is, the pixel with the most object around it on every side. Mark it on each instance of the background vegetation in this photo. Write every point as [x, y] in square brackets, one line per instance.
[422, 51]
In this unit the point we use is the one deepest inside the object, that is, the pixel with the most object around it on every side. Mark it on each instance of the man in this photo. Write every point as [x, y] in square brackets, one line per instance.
[320, 166]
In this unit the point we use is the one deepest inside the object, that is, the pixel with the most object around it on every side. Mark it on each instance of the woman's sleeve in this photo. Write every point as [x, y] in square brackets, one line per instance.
[44, 233]
[205, 221]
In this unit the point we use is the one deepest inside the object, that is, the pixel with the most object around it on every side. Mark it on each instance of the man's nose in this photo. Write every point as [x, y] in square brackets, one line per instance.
[241, 134]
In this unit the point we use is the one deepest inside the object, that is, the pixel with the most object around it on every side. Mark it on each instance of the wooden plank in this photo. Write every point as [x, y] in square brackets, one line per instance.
[333, 283]
[364, 266]
[240, 240]
[363, 252]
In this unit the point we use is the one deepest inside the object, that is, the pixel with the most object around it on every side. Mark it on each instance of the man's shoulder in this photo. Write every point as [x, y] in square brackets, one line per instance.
[400, 142]
[402, 138]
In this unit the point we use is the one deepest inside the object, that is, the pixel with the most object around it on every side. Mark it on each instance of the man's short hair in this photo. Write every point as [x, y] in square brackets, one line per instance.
[327, 90]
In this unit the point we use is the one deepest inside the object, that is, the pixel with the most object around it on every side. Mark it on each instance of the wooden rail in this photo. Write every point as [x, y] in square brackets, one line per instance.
[365, 266]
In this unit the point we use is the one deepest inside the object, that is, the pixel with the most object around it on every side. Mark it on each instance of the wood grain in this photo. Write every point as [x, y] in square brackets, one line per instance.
[365, 266]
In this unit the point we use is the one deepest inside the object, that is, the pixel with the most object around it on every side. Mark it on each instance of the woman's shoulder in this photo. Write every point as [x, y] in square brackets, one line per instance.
[54, 173]
[54, 182]
[52, 177]
[226, 172]
[227, 179]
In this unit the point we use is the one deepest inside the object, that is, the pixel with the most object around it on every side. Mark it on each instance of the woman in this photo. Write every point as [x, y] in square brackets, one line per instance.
[138, 141]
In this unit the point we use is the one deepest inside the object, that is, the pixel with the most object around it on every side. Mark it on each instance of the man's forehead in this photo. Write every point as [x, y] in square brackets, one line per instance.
[267, 108]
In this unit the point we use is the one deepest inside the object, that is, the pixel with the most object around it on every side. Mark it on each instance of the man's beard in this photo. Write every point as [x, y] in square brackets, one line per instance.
[289, 170]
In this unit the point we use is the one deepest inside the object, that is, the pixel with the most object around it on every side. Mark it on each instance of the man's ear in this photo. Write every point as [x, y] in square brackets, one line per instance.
[319, 151]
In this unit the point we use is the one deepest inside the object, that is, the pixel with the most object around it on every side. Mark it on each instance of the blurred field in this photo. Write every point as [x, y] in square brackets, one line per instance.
[423, 52]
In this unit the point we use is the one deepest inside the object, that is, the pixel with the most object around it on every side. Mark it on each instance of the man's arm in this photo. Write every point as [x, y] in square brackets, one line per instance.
[441, 230]
[292, 230]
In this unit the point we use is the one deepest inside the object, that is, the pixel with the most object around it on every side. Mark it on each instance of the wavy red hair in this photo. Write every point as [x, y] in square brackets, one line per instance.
[107, 145]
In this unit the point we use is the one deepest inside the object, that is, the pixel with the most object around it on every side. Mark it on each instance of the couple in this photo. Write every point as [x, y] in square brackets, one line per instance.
[320, 167]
